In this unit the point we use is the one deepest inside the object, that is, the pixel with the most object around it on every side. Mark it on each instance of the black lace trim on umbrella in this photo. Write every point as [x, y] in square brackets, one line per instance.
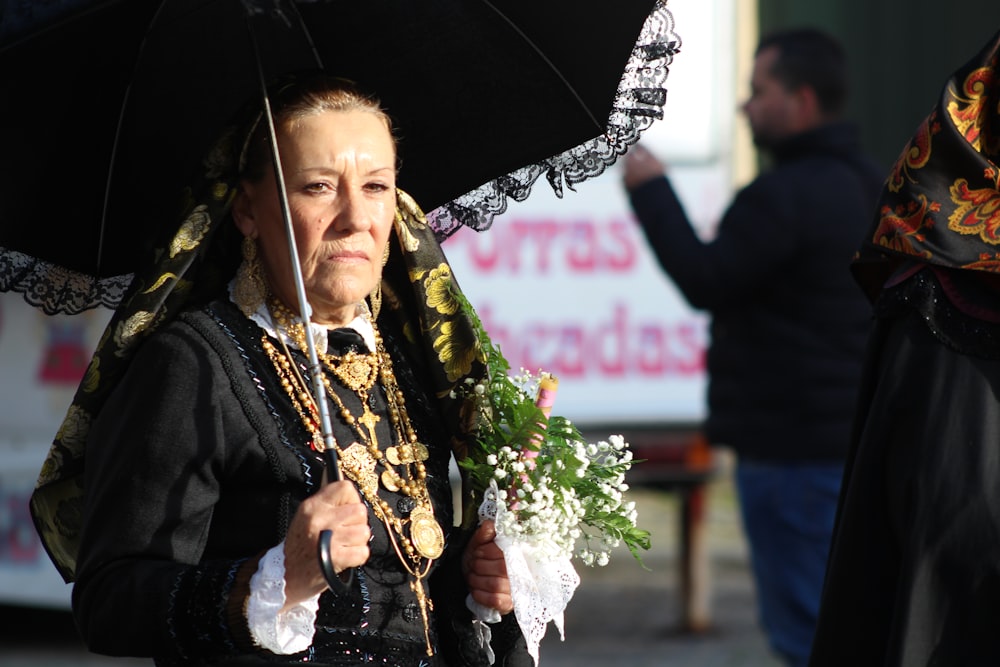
[55, 289]
[639, 101]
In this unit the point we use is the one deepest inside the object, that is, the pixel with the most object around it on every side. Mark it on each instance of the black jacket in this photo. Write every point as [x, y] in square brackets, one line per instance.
[789, 324]
[195, 468]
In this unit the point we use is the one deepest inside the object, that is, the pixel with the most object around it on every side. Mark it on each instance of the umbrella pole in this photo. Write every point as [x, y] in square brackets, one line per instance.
[339, 583]
[305, 310]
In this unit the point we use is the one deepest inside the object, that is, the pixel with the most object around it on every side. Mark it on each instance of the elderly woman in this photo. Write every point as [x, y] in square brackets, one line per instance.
[205, 490]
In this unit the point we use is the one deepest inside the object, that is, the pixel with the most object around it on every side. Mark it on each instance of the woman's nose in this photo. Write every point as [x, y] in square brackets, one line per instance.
[352, 212]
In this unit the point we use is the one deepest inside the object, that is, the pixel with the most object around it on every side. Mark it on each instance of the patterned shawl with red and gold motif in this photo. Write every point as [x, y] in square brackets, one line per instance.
[941, 201]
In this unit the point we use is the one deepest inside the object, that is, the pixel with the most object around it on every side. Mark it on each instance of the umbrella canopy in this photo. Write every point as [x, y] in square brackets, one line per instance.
[110, 106]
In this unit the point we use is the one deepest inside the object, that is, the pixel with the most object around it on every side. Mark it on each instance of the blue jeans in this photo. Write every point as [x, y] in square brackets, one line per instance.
[788, 515]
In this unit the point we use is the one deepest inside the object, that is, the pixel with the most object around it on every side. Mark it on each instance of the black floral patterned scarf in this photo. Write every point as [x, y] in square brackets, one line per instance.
[941, 201]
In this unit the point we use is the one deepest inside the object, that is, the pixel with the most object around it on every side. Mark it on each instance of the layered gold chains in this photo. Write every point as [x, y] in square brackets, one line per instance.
[417, 539]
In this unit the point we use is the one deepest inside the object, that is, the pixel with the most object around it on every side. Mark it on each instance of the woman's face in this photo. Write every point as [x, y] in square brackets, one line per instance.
[340, 178]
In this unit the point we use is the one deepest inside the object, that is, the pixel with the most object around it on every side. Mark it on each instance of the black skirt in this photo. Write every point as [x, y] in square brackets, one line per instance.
[914, 571]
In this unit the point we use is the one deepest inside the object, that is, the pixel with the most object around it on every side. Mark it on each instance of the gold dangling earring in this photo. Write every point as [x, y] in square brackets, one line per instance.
[375, 298]
[250, 290]
[375, 301]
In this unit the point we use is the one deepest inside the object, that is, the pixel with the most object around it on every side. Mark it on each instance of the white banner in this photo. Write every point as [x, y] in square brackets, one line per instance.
[570, 287]
[42, 359]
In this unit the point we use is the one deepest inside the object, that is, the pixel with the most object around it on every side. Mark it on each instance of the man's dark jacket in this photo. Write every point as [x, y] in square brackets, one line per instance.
[789, 324]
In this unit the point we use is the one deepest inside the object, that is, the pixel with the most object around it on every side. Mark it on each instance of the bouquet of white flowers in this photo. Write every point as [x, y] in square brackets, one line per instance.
[552, 495]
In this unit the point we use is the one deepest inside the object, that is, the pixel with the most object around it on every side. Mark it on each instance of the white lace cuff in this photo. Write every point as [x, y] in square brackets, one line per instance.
[278, 632]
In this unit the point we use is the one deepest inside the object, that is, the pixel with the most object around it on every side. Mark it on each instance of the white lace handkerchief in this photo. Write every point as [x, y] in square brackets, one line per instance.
[542, 580]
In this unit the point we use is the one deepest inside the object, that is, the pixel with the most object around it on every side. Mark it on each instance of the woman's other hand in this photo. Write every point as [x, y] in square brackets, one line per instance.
[485, 570]
[335, 507]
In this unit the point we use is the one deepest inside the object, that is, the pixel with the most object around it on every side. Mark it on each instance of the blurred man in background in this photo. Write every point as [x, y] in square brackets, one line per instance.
[789, 325]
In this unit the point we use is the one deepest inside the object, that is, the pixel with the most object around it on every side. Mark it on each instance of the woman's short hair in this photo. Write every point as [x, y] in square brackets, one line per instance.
[301, 97]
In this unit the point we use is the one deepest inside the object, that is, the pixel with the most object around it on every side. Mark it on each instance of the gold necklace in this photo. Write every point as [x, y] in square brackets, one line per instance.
[355, 371]
[426, 534]
[417, 540]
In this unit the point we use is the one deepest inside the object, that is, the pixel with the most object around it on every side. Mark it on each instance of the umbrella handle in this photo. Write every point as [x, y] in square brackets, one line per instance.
[337, 583]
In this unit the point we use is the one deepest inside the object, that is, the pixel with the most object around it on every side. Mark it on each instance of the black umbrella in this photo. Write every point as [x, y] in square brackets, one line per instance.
[108, 106]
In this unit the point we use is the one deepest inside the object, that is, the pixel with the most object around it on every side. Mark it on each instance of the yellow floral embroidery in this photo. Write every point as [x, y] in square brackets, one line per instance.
[410, 209]
[191, 232]
[92, 378]
[408, 215]
[984, 263]
[915, 156]
[49, 471]
[455, 356]
[439, 295]
[73, 432]
[69, 445]
[904, 228]
[977, 212]
[160, 281]
[966, 112]
[407, 240]
[127, 331]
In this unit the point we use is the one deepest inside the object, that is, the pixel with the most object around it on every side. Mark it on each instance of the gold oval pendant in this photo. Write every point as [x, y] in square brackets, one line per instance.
[389, 481]
[426, 533]
[392, 455]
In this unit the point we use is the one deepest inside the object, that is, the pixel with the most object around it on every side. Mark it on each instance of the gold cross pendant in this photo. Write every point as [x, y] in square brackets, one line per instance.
[369, 419]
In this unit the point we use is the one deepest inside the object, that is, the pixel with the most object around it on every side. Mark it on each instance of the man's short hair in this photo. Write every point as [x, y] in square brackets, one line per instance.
[811, 57]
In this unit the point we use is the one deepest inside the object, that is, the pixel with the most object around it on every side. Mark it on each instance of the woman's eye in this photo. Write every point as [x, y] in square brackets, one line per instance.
[377, 186]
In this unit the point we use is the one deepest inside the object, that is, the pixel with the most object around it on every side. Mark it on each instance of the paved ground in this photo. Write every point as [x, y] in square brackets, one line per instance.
[636, 628]
[624, 615]
[620, 615]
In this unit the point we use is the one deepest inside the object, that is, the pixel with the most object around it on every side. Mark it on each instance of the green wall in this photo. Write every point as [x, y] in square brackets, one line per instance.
[901, 52]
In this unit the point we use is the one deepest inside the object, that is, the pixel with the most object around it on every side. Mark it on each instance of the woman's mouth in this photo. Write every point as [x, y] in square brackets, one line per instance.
[348, 256]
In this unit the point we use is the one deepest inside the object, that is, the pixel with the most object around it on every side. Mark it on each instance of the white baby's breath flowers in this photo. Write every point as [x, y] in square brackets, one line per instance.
[561, 491]
[553, 496]
[554, 487]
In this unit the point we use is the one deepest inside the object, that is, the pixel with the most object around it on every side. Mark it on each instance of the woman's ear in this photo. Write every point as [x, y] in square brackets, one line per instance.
[243, 214]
